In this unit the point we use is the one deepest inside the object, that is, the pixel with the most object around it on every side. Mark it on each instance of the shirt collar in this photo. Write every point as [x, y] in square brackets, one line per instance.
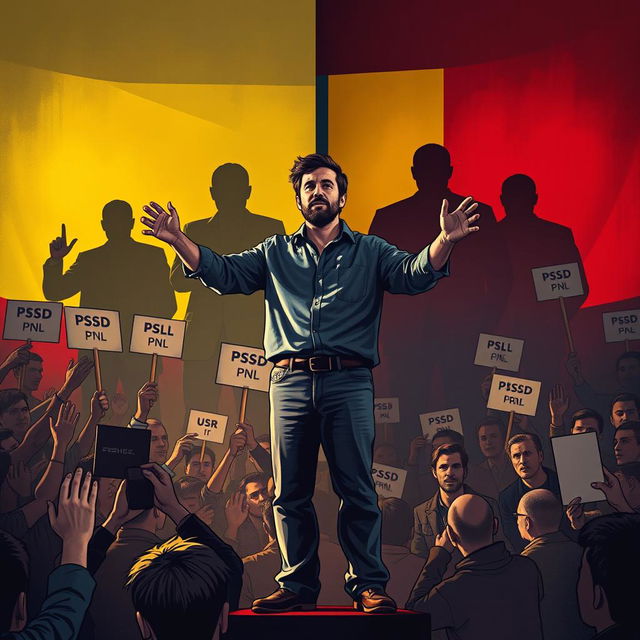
[298, 238]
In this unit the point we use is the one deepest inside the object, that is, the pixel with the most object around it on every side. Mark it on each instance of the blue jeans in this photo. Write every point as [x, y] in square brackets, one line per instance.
[334, 408]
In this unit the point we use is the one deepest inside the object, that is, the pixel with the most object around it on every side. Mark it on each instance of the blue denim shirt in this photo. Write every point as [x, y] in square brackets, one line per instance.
[326, 304]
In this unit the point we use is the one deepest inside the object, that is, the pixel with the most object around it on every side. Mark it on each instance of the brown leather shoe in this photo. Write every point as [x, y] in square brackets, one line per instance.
[375, 600]
[280, 601]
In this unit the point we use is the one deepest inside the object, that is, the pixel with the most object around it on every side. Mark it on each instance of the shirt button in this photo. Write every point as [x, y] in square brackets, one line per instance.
[316, 302]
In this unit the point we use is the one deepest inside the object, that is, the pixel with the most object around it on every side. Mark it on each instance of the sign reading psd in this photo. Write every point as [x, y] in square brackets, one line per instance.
[436, 420]
[386, 410]
[93, 329]
[514, 394]
[157, 335]
[208, 426]
[559, 281]
[389, 481]
[621, 325]
[36, 321]
[241, 366]
[500, 352]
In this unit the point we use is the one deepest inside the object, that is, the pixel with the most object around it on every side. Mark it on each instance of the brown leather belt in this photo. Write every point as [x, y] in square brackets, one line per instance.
[317, 364]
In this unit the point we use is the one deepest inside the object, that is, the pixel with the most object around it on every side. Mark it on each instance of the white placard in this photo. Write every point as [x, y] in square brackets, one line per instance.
[498, 351]
[386, 410]
[35, 321]
[389, 481]
[241, 366]
[208, 426]
[93, 329]
[578, 464]
[514, 394]
[157, 335]
[621, 325]
[557, 281]
[445, 419]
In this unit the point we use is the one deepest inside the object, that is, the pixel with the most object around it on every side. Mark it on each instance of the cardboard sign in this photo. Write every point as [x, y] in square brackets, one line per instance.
[621, 325]
[445, 419]
[386, 410]
[578, 464]
[93, 329]
[157, 335]
[514, 394]
[118, 449]
[208, 426]
[498, 351]
[241, 366]
[35, 321]
[557, 281]
[389, 481]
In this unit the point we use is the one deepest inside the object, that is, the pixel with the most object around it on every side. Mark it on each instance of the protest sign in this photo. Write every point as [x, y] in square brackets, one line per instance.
[437, 420]
[498, 351]
[514, 394]
[389, 481]
[207, 426]
[35, 321]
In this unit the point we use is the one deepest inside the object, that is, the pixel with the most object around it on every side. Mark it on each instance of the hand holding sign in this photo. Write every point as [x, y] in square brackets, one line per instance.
[99, 406]
[613, 493]
[237, 442]
[147, 396]
[183, 447]
[456, 225]
[17, 358]
[59, 248]
[249, 433]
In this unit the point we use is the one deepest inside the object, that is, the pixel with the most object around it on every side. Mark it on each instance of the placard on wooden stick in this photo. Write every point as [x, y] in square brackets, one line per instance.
[207, 426]
[241, 366]
[30, 320]
[499, 351]
[514, 394]
[620, 326]
[389, 481]
[93, 329]
[159, 336]
[386, 410]
[436, 420]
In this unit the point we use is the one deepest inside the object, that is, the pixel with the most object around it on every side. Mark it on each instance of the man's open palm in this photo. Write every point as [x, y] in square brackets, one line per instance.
[162, 225]
[459, 223]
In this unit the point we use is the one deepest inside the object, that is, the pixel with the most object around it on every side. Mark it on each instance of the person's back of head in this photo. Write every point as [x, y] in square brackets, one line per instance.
[14, 572]
[431, 167]
[397, 521]
[541, 513]
[518, 195]
[179, 590]
[471, 523]
[230, 188]
[117, 220]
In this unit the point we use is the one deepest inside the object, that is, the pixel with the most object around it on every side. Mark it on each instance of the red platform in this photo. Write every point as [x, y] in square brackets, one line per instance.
[328, 623]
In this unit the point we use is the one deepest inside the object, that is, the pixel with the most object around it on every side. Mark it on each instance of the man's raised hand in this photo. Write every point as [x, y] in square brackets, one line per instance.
[458, 223]
[59, 248]
[162, 225]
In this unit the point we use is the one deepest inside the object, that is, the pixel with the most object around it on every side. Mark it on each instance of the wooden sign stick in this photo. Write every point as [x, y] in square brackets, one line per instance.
[566, 324]
[243, 404]
[512, 415]
[202, 451]
[154, 367]
[96, 369]
[21, 374]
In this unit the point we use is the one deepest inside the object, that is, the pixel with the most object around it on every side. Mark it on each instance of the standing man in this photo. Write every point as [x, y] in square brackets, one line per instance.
[323, 293]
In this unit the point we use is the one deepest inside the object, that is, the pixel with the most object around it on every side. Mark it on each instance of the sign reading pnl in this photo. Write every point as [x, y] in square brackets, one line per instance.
[37, 321]
[389, 481]
[93, 329]
[559, 281]
[436, 420]
[514, 394]
[157, 335]
[386, 410]
[241, 366]
[621, 325]
[208, 426]
[500, 352]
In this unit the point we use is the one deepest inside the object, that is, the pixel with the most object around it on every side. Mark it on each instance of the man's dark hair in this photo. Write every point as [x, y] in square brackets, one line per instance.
[195, 453]
[34, 356]
[397, 520]
[523, 437]
[490, 421]
[449, 450]
[631, 425]
[613, 554]
[628, 355]
[9, 397]
[187, 486]
[625, 397]
[179, 585]
[307, 164]
[583, 414]
[456, 436]
[257, 476]
[14, 562]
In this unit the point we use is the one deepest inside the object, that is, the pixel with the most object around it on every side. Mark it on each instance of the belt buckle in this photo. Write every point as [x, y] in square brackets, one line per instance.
[317, 368]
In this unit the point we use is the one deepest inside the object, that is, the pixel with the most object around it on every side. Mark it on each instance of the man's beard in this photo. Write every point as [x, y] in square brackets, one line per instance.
[320, 216]
[453, 488]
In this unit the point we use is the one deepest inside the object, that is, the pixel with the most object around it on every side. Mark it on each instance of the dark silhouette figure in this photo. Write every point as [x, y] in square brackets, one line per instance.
[428, 342]
[236, 319]
[123, 275]
[530, 242]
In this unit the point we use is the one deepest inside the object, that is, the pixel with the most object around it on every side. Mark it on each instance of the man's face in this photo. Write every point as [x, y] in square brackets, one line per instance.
[16, 418]
[33, 375]
[623, 411]
[159, 446]
[625, 446]
[629, 374]
[200, 470]
[526, 459]
[256, 493]
[585, 425]
[491, 440]
[318, 199]
[449, 472]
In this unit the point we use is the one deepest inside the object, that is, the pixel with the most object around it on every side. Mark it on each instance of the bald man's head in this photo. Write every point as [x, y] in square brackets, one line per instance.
[543, 508]
[471, 519]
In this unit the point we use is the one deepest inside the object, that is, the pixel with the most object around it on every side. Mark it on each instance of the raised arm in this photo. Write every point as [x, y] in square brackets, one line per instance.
[454, 226]
[237, 442]
[55, 284]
